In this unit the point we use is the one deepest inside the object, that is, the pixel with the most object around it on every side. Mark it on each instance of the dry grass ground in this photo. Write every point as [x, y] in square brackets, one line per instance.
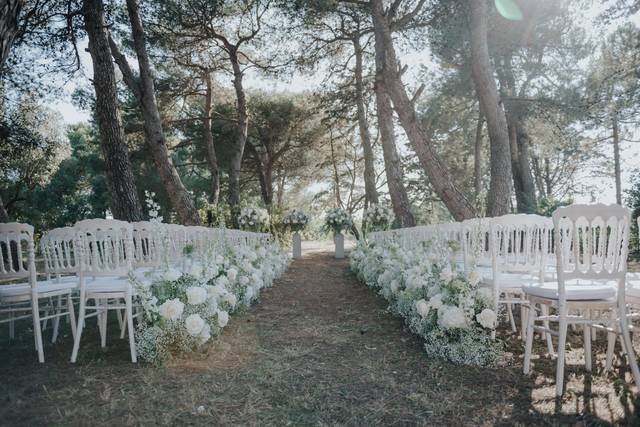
[319, 349]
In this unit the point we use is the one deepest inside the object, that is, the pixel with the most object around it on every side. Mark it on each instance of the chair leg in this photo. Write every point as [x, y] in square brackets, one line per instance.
[123, 325]
[611, 341]
[72, 315]
[76, 342]
[562, 341]
[594, 331]
[56, 320]
[511, 318]
[35, 310]
[528, 346]
[103, 322]
[628, 347]
[132, 339]
[587, 347]
[547, 335]
[523, 322]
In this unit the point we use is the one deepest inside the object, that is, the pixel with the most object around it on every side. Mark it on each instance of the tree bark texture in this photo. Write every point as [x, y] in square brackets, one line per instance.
[436, 171]
[477, 158]
[176, 191]
[212, 158]
[237, 153]
[125, 204]
[500, 184]
[9, 13]
[616, 159]
[371, 192]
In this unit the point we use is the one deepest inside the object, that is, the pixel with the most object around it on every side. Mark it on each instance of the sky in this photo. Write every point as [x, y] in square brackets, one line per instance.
[604, 187]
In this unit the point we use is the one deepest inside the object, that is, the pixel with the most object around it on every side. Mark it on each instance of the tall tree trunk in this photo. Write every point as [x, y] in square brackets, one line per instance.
[438, 174]
[212, 158]
[9, 12]
[237, 152]
[336, 176]
[370, 190]
[548, 181]
[528, 200]
[125, 203]
[616, 158]
[266, 183]
[477, 158]
[392, 165]
[281, 182]
[4, 215]
[176, 191]
[499, 197]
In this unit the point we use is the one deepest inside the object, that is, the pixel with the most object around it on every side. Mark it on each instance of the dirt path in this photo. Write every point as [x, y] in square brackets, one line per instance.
[319, 349]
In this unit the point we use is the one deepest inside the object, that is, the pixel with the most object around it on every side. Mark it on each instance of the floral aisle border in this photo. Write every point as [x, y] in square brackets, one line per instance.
[451, 312]
[183, 308]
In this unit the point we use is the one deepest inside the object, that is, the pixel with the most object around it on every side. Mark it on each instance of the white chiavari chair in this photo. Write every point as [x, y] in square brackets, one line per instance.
[106, 251]
[17, 261]
[591, 246]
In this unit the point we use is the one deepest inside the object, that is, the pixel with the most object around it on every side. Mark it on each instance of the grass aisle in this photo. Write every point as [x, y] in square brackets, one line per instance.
[318, 349]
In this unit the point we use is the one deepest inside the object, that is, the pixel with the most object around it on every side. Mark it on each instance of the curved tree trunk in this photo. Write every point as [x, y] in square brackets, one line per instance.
[176, 191]
[438, 174]
[212, 159]
[371, 193]
[477, 158]
[125, 204]
[499, 197]
[235, 162]
[9, 12]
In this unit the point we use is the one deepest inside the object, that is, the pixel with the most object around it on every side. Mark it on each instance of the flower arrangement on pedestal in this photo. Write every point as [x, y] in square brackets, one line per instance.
[378, 217]
[296, 220]
[253, 219]
[338, 220]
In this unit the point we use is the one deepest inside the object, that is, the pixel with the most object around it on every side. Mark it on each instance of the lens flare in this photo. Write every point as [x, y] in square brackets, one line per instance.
[509, 9]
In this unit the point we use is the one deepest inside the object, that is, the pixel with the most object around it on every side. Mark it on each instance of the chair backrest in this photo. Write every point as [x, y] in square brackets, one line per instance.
[105, 247]
[519, 244]
[591, 242]
[17, 258]
[59, 252]
[147, 241]
[475, 241]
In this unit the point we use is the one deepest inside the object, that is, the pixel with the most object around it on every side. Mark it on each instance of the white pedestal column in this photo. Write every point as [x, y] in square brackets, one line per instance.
[297, 246]
[338, 239]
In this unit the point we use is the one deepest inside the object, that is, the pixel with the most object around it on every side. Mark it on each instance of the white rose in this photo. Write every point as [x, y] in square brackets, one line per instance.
[435, 301]
[196, 295]
[205, 334]
[487, 318]
[172, 275]
[474, 278]
[232, 273]
[223, 318]
[422, 308]
[231, 299]
[446, 275]
[450, 316]
[171, 309]
[194, 324]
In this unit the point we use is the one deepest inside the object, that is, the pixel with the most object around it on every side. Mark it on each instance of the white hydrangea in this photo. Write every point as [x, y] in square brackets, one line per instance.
[205, 334]
[450, 317]
[474, 278]
[446, 275]
[172, 274]
[194, 324]
[435, 302]
[230, 298]
[487, 318]
[232, 273]
[422, 308]
[196, 295]
[223, 318]
[171, 309]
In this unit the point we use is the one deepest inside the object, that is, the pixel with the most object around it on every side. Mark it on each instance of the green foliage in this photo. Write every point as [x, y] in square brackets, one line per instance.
[633, 201]
[546, 207]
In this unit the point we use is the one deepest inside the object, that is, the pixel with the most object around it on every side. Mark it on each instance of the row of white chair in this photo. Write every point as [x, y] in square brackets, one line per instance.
[91, 261]
[574, 264]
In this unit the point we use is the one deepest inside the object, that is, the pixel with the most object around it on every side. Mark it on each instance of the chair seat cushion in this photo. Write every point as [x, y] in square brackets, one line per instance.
[44, 287]
[107, 285]
[576, 290]
[511, 280]
[633, 285]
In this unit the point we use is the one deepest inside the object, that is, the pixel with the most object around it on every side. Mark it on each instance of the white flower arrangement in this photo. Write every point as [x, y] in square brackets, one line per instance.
[296, 220]
[338, 220]
[452, 313]
[183, 310]
[253, 219]
[378, 217]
